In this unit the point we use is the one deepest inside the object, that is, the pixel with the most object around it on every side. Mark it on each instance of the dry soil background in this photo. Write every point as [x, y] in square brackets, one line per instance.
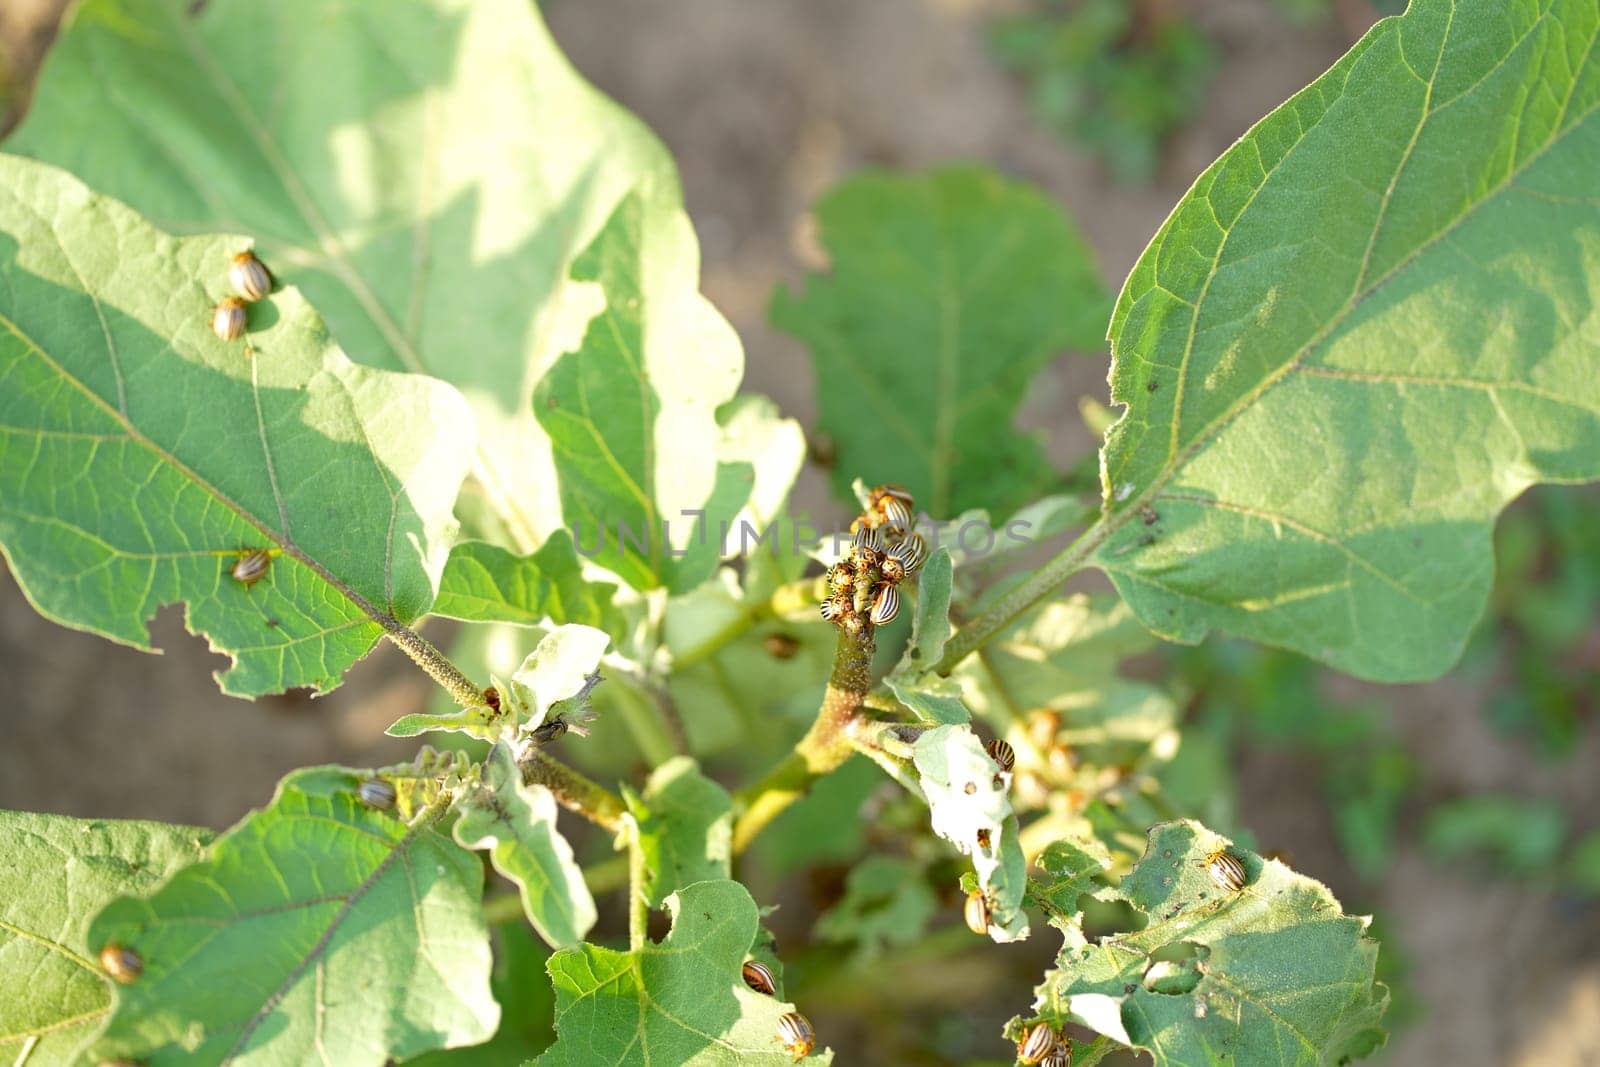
[765, 103]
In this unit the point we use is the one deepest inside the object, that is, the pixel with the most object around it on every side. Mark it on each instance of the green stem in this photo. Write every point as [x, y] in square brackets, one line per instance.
[431, 660]
[573, 791]
[787, 599]
[647, 722]
[638, 908]
[1044, 581]
[824, 747]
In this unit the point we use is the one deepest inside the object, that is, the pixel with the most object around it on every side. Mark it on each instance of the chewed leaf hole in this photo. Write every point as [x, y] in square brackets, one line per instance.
[1103, 919]
[1176, 968]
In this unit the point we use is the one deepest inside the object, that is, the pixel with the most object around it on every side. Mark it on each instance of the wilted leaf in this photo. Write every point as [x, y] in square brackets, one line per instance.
[317, 930]
[486, 583]
[948, 292]
[681, 1001]
[431, 174]
[516, 822]
[57, 873]
[1273, 973]
[685, 827]
[144, 457]
[1367, 327]
[969, 802]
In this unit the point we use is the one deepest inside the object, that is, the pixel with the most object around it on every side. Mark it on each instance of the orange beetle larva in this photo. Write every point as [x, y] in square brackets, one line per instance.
[251, 567]
[250, 277]
[229, 318]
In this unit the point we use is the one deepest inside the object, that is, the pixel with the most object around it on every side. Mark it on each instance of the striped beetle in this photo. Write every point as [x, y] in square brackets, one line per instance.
[250, 277]
[794, 1030]
[251, 567]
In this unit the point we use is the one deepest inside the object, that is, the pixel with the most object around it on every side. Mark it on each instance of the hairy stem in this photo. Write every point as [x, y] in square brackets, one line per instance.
[430, 659]
[638, 907]
[573, 791]
[824, 747]
[1042, 583]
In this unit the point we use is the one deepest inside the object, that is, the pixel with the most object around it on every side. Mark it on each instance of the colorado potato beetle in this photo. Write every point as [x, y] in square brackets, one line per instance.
[120, 962]
[1004, 756]
[836, 607]
[250, 276]
[1060, 1056]
[376, 793]
[1227, 871]
[885, 606]
[867, 539]
[759, 976]
[229, 318]
[911, 551]
[251, 567]
[794, 1030]
[1036, 1044]
[553, 729]
[976, 912]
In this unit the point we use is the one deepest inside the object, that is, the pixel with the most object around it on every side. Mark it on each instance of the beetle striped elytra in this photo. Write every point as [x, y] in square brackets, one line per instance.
[885, 606]
[911, 550]
[229, 318]
[122, 963]
[794, 1030]
[376, 793]
[1227, 871]
[1004, 756]
[250, 277]
[759, 976]
[251, 567]
[1060, 1056]
[1036, 1044]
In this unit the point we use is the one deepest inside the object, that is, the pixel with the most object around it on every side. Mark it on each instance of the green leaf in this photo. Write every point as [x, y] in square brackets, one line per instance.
[527, 1005]
[887, 902]
[486, 583]
[1361, 333]
[971, 808]
[932, 697]
[685, 828]
[1274, 973]
[516, 823]
[681, 1001]
[437, 188]
[57, 873]
[949, 291]
[318, 930]
[144, 457]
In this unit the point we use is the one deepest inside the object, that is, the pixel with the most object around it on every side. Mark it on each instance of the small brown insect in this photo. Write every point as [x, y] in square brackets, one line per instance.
[229, 318]
[1036, 1044]
[885, 606]
[1004, 756]
[251, 567]
[376, 793]
[780, 646]
[983, 836]
[250, 277]
[549, 730]
[794, 1030]
[759, 976]
[1060, 1056]
[122, 963]
[1227, 871]
[491, 698]
[841, 576]
[976, 912]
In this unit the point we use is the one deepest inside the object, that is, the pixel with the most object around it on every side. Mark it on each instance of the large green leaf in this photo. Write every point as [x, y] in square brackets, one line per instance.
[319, 930]
[1368, 326]
[516, 822]
[430, 173]
[56, 874]
[685, 828]
[681, 1001]
[948, 292]
[1273, 973]
[486, 583]
[142, 456]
